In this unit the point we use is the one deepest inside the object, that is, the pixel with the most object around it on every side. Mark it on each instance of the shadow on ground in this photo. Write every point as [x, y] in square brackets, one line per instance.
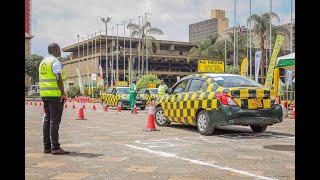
[87, 155]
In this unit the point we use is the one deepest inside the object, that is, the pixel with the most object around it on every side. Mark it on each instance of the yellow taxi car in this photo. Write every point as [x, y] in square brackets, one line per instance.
[149, 94]
[210, 100]
[114, 95]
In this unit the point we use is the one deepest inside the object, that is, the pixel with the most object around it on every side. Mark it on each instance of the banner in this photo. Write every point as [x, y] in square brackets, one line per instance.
[288, 79]
[100, 70]
[273, 60]
[89, 91]
[93, 77]
[79, 80]
[244, 67]
[257, 65]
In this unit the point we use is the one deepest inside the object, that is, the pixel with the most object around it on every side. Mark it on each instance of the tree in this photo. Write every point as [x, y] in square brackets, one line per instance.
[147, 79]
[232, 70]
[145, 39]
[241, 45]
[206, 49]
[261, 27]
[32, 63]
[73, 91]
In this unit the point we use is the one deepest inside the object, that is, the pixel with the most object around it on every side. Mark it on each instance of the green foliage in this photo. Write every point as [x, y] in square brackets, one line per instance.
[147, 79]
[32, 63]
[96, 92]
[73, 91]
[232, 70]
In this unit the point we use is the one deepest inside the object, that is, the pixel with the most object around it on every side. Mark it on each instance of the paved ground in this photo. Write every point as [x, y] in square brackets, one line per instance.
[111, 145]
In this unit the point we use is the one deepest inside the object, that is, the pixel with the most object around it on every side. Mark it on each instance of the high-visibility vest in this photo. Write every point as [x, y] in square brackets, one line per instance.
[47, 80]
[162, 89]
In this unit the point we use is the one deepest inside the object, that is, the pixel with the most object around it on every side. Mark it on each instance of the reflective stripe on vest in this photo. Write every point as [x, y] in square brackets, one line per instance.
[47, 80]
[132, 88]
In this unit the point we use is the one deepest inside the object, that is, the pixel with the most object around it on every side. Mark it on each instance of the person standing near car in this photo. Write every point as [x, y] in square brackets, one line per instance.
[52, 81]
[162, 88]
[133, 94]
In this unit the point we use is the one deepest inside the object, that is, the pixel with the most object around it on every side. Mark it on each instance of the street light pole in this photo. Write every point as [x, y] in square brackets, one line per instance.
[139, 47]
[124, 50]
[250, 44]
[131, 55]
[270, 29]
[112, 76]
[106, 24]
[117, 52]
[225, 43]
[100, 65]
[147, 44]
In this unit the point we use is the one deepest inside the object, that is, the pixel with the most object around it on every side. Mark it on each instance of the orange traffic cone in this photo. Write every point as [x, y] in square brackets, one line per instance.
[119, 107]
[73, 106]
[31, 103]
[42, 110]
[35, 103]
[94, 107]
[105, 108]
[40, 104]
[135, 109]
[83, 106]
[81, 114]
[293, 112]
[26, 102]
[65, 105]
[150, 125]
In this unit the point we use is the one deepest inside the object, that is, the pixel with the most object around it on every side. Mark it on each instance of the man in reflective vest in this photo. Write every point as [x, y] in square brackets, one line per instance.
[162, 88]
[51, 82]
[133, 94]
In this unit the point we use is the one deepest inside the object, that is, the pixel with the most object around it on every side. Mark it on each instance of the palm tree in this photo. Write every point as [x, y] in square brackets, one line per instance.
[145, 40]
[261, 27]
[206, 48]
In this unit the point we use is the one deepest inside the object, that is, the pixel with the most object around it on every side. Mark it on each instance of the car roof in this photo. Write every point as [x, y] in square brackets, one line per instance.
[219, 75]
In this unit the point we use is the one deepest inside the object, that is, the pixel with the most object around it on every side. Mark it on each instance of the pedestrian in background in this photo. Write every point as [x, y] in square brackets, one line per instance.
[162, 88]
[52, 81]
[133, 94]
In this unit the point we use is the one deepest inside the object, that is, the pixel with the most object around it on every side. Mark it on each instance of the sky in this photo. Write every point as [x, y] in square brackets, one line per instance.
[60, 21]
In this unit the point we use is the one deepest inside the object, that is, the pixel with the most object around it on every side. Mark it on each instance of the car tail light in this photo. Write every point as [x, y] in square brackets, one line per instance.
[226, 100]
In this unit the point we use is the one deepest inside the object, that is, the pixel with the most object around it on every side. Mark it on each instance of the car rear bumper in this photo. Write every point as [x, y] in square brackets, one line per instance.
[234, 115]
[126, 104]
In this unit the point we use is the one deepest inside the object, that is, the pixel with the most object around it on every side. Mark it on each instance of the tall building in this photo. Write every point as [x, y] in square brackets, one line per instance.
[216, 24]
[169, 63]
[28, 36]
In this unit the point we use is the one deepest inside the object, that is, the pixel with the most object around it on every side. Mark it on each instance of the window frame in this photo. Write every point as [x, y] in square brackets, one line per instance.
[178, 83]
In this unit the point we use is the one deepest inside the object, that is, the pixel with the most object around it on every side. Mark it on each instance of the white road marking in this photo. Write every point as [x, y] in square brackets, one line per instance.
[165, 154]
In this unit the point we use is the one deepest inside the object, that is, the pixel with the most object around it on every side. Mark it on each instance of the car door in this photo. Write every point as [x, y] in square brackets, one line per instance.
[108, 96]
[176, 102]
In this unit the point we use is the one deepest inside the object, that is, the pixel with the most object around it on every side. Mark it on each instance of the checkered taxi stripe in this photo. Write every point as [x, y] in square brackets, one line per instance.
[111, 99]
[182, 107]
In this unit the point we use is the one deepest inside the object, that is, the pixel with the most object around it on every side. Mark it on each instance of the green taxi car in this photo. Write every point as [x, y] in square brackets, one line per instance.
[114, 95]
[149, 94]
[211, 100]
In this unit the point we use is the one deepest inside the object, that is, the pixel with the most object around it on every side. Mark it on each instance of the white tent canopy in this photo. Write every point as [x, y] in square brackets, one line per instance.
[287, 62]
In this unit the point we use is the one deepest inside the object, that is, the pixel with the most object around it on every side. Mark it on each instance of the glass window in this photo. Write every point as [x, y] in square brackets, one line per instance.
[154, 91]
[204, 86]
[109, 91]
[195, 85]
[181, 87]
[235, 81]
[124, 90]
[142, 91]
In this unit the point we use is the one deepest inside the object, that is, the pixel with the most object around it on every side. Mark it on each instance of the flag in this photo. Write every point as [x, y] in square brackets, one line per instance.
[100, 70]
[288, 79]
[240, 29]
[257, 65]
[244, 67]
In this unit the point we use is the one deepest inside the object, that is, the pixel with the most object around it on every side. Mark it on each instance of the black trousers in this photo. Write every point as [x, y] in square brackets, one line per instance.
[52, 118]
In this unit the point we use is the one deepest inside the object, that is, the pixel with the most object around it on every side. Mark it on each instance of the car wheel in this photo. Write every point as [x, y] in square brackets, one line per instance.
[159, 117]
[203, 124]
[258, 128]
[142, 108]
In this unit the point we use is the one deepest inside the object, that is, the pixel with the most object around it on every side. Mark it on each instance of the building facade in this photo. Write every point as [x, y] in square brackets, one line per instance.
[218, 23]
[169, 63]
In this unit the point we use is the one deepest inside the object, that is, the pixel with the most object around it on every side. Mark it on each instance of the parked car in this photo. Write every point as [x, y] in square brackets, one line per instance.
[211, 100]
[114, 95]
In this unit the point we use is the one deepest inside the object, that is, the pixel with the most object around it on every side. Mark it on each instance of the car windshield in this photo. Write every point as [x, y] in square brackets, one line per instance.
[235, 81]
[154, 91]
[124, 90]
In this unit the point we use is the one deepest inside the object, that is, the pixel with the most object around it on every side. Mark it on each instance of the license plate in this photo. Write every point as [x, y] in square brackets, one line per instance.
[138, 101]
[256, 103]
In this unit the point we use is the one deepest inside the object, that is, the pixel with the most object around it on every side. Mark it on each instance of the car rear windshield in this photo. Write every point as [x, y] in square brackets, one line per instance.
[123, 90]
[235, 81]
[154, 91]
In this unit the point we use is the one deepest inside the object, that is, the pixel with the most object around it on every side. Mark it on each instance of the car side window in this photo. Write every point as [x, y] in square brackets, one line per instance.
[109, 91]
[147, 92]
[204, 86]
[114, 91]
[181, 87]
[142, 91]
[195, 85]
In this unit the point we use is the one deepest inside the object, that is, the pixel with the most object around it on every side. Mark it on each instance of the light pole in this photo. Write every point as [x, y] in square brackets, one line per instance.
[124, 50]
[225, 43]
[100, 65]
[78, 52]
[250, 44]
[131, 55]
[112, 76]
[147, 43]
[117, 52]
[106, 24]
[139, 47]
[83, 66]
[234, 34]
[270, 29]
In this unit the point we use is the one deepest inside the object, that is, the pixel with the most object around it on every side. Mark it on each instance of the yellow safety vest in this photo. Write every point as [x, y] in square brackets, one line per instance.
[47, 80]
[162, 89]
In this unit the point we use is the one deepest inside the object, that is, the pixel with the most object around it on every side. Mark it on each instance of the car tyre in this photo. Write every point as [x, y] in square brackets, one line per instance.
[159, 117]
[258, 128]
[203, 124]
